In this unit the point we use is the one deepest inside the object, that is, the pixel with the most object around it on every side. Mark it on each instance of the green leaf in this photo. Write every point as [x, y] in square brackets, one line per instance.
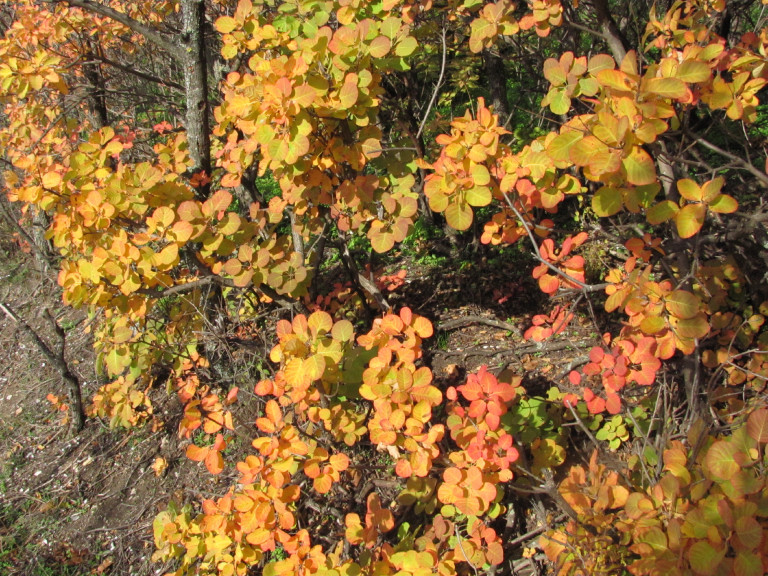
[749, 532]
[704, 558]
[478, 196]
[559, 102]
[747, 564]
[661, 212]
[116, 360]
[607, 201]
[406, 46]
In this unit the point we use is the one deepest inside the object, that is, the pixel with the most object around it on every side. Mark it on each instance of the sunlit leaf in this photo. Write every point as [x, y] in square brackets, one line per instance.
[690, 219]
[459, 215]
[607, 201]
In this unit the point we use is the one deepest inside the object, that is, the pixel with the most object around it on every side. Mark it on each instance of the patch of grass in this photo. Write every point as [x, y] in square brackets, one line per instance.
[421, 233]
[431, 260]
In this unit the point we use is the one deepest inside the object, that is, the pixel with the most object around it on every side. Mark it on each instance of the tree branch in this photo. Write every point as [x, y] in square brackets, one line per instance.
[746, 165]
[537, 254]
[193, 60]
[138, 73]
[153, 36]
[610, 31]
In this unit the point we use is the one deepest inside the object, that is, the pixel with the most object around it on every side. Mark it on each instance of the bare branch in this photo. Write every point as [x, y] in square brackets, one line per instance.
[740, 162]
[537, 254]
[138, 73]
[472, 319]
[153, 36]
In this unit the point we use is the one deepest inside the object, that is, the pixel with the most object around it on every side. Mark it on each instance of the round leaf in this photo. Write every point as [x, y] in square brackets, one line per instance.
[690, 220]
[478, 196]
[682, 304]
[704, 558]
[661, 212]
[724, 204]
[459, 215]
[640, 167]
[720, 461]
[607, 201]
[757, 425]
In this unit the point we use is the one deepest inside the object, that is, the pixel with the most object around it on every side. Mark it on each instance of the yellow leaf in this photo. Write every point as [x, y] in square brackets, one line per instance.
[226, 24]
[692, 71]
[666, 87]
[348, 95]
[166, 258]
[640, 167]
[51, 180]
[160, 466]
[690, 219]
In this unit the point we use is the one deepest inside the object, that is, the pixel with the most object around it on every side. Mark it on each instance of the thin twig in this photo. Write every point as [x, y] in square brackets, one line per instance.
[437, 88]
[537, 253]
[461, 547]
[583, 427]
[58, 361]
[745, 164]
[157, 38]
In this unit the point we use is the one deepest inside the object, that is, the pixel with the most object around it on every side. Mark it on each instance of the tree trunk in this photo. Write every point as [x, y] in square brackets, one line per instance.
[609, 30]
[196, 89]
[496, 77]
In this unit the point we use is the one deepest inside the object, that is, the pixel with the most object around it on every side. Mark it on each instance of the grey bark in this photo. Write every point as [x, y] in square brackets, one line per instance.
[196, 88]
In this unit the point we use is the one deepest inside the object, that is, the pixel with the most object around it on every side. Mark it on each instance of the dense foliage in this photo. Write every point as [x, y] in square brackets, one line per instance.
[197, 165]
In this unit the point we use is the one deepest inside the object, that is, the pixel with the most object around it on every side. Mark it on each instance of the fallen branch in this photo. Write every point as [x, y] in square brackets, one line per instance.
[473, 319]
[535, 532]
[518, 351]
